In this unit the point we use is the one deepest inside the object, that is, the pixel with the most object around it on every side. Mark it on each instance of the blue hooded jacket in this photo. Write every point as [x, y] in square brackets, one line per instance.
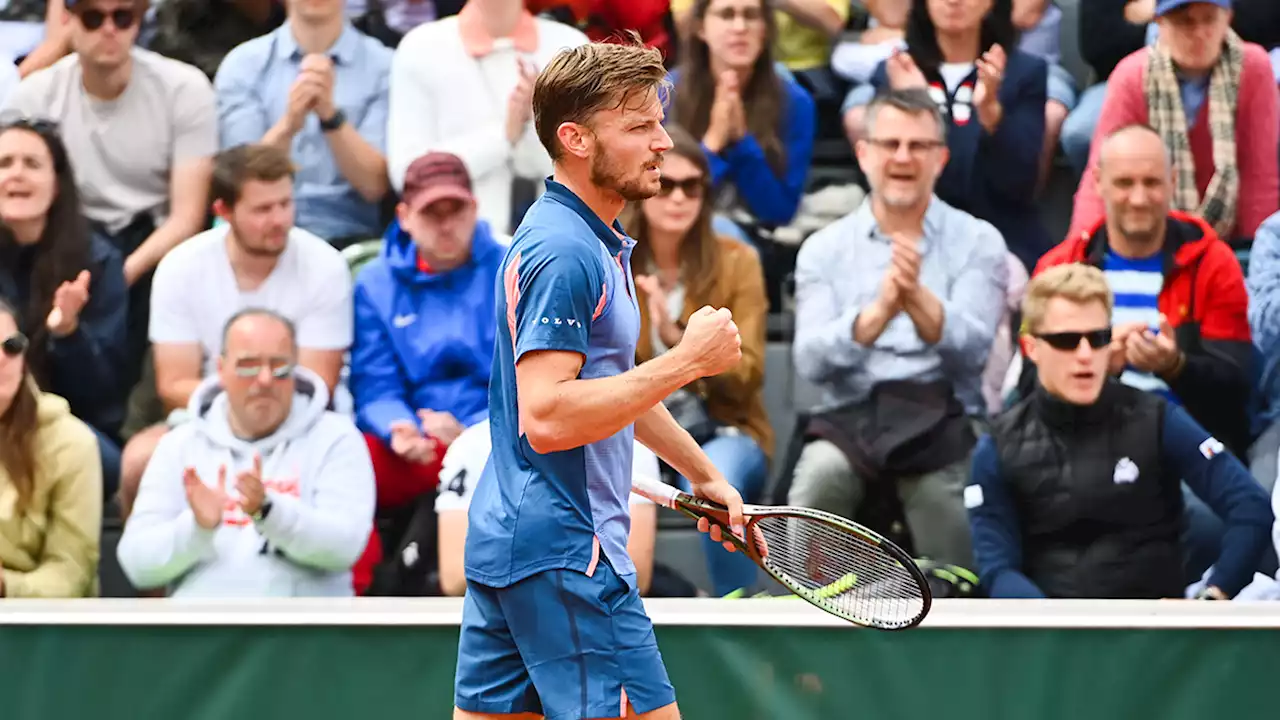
[423, 341]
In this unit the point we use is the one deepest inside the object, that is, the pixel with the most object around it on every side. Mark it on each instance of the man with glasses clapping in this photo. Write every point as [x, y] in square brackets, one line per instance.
[265, 493]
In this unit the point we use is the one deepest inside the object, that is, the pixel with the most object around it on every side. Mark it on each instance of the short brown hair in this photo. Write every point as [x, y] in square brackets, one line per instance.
[1076, 282]
[235, 166]
[581, 81]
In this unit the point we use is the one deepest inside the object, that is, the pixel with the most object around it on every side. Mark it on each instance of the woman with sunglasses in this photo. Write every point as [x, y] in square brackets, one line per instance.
[755, 122]
[67, 283]
[50, 483]
[680, 265]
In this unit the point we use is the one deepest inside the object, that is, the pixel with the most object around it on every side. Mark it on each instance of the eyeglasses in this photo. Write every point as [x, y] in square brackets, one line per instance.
[1097, 339]
[691, 187]
[749, 15]
[915, 147]
[14, 345]
[122, 18]
[252, 367]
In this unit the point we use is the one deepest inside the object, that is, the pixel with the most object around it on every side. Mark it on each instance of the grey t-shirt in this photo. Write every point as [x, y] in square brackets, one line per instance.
[123, 151]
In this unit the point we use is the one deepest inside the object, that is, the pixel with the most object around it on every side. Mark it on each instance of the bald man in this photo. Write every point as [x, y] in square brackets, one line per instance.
[1181, 326]
[265, 493]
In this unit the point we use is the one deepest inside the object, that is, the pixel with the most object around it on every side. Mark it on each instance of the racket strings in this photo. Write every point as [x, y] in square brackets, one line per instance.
[846, 573]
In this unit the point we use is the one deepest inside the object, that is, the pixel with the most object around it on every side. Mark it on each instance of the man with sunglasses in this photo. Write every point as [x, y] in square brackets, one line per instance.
[265, 493]
[1076, 493]
[141, 130]
[1182, 325]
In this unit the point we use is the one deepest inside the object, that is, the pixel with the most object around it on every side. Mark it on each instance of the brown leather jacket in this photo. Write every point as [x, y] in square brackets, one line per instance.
[735, 397]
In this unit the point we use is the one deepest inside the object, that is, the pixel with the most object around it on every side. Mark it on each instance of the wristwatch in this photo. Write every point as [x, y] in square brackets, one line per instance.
[334, 122]
[263, 511]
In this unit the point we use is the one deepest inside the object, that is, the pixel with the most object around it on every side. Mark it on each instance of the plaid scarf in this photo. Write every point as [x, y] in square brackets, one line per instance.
[1164, 107]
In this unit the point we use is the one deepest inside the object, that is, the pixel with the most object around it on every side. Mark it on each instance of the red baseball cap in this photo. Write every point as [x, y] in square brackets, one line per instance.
[436, 176]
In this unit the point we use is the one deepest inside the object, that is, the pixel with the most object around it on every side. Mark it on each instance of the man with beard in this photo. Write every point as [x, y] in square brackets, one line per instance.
[257, 258]
[897, 307]
[552, 622]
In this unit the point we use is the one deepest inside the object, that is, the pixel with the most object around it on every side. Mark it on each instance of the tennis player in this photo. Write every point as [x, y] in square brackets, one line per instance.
[552, 624]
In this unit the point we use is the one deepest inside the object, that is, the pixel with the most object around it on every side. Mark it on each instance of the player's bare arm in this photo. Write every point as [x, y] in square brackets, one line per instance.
[559, 411]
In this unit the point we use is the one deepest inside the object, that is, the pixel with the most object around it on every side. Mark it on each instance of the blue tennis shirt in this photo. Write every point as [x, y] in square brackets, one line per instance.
[565, 284]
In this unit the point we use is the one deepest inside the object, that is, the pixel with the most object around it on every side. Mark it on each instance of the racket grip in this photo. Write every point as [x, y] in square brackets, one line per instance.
[659, 492]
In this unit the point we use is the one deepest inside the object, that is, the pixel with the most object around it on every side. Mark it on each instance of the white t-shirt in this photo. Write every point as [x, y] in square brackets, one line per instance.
[466, 457]
[194, 293]
[123, 150]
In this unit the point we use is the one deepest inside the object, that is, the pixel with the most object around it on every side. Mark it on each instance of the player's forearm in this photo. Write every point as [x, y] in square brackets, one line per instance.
[660, 432]
[580, 412]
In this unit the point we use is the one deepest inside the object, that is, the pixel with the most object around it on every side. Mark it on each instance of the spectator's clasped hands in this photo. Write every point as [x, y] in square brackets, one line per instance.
[901, 281]
[317, 70]
[253, 493]
[1120, 344]
[68, 301]
[312, 91]
[902, 71]
[520, 102]
[656, 303]
[986, 95]
[207, 503]
[442, 426]
[1152, 352]
[410, 444]
[728, 122]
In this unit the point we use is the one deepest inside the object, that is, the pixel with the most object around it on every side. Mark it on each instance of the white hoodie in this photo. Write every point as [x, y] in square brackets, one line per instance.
[318, 475]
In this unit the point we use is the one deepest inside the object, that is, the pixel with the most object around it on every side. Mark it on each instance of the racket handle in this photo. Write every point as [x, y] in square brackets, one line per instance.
[659, 492]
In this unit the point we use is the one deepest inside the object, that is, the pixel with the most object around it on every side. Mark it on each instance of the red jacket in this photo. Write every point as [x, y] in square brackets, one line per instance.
[1205, 300]
[601, 19]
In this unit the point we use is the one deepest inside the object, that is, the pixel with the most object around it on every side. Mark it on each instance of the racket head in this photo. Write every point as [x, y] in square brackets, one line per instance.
[833, 563]
[841, 567]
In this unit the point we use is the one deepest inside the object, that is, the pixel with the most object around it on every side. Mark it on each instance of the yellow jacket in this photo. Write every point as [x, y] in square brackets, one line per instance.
[51, 549]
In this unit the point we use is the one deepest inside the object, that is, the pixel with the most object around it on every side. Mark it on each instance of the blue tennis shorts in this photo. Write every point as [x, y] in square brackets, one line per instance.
[560, 644]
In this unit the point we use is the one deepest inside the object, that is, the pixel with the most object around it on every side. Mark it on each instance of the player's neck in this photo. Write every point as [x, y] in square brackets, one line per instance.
[606, 204]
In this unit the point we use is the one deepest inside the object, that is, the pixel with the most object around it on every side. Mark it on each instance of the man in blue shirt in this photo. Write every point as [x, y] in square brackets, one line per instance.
[317, 87]
[1077, 491]
[552, 622]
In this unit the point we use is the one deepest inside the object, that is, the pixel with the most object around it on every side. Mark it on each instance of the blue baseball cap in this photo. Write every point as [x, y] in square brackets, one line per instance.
[1164, 7]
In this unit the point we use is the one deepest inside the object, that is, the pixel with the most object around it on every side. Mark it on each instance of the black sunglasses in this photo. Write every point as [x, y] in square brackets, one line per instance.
[1097, 339]
[122, 18]
[14, 345]
[692, 187]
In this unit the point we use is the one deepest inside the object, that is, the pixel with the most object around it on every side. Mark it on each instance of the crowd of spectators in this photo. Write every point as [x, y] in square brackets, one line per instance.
[249, 250]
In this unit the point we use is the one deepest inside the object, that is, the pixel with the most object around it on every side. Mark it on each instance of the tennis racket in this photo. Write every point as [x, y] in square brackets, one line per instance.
[834, 563]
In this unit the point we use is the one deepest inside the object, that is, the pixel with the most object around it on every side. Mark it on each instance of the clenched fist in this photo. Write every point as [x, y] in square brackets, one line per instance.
[711, 343]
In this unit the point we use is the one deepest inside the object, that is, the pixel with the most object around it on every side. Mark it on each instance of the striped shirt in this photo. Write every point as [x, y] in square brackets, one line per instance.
[1136, 284]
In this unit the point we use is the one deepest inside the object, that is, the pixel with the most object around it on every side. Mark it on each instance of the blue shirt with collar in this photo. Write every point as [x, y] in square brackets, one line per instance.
[565, 284]
[963, 261]
[253, 86]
